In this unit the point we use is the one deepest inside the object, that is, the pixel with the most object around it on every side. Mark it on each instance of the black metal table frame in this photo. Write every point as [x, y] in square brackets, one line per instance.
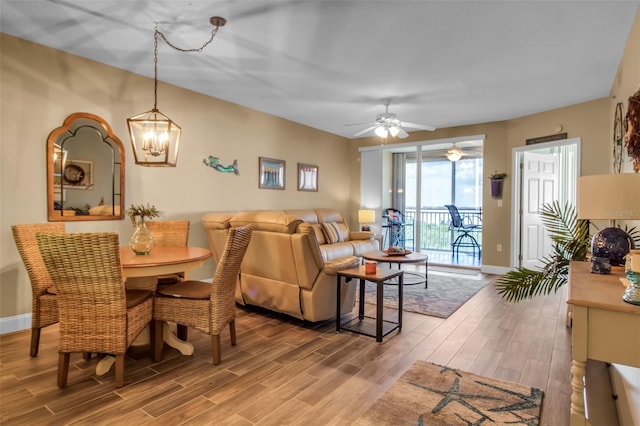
[356, 325]
[399, 260]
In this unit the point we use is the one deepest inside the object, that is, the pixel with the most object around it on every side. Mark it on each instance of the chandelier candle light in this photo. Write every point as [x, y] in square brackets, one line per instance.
[155, 138]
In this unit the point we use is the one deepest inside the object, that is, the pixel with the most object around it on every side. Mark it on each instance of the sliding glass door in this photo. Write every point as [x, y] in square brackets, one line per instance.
[434, 183]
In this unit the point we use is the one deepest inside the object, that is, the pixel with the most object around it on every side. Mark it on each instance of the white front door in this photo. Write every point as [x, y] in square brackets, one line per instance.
[540, 175]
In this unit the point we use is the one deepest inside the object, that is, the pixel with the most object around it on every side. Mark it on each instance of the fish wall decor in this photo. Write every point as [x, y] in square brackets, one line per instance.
[214, 162]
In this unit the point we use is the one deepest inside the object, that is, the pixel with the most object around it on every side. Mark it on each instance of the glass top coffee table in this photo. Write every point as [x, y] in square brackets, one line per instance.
[399, 259]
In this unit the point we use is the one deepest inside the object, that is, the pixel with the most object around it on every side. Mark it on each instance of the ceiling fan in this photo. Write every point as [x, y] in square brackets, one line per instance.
[387, 124]
[454, 153]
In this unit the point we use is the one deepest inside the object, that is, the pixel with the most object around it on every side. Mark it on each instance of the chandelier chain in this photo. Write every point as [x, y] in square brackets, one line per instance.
[155, 71]
[199, 49]
[155, 56]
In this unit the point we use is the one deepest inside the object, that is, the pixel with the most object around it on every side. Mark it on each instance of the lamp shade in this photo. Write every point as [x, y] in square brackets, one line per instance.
[366, 216]
[612, 197]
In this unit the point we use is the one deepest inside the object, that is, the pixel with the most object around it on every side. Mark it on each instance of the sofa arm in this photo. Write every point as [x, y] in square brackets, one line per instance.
[360, 235]
[333, 266]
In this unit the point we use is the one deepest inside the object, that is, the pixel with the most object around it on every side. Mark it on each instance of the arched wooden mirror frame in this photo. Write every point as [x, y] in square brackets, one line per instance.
[61, 179]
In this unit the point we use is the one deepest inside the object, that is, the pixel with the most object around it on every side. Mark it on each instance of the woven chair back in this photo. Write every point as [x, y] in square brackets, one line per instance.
[25, 238]
[224, 279]
[86, 269]
[169, 232]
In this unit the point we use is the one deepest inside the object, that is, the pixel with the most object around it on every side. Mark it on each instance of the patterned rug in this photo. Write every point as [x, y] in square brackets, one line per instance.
[429, 394]
[444, 295]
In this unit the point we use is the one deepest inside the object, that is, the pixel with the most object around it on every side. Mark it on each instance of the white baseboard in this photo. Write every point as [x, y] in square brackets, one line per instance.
[497, 270]
[16, 323]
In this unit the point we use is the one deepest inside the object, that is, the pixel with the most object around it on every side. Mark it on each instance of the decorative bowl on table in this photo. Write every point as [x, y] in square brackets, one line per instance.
[396, 251]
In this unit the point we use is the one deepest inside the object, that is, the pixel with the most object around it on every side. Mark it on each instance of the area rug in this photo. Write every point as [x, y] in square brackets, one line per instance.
[429, 394]
[440, 270]
[444, 295]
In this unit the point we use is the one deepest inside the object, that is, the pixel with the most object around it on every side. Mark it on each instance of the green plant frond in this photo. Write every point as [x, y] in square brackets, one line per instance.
[634, 234]
[570, 237]
[524, 283]
[558, 220]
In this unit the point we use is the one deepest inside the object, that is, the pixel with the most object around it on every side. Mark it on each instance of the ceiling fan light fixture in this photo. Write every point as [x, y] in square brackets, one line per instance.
[454, 154]
[382, 132]
[394, 131]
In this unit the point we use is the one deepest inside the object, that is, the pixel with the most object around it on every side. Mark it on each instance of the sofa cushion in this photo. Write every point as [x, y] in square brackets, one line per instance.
[333, 266]
[333, 232]
[272, 221]
[336, 250]
[217, 220]
[329, 215]
[315, 229]
[305, 215]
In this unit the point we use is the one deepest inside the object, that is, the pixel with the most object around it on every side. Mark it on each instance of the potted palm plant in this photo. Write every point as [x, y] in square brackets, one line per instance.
[570, 238]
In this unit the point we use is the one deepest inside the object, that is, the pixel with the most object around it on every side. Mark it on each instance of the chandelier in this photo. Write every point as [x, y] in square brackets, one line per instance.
[155, 138]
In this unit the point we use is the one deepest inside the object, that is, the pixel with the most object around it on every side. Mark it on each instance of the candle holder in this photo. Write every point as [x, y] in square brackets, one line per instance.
[632, 295]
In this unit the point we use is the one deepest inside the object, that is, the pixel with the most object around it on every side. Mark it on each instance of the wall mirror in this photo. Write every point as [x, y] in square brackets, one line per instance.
[85, 170]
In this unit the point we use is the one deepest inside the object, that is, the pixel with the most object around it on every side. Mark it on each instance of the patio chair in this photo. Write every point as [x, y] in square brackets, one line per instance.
[463, 238]
[207, 307]
[44, 302]
[96, 313]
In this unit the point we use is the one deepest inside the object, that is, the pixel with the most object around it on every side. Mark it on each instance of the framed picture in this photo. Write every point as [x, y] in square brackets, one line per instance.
[77, 174]
[307, 177]
[271, 173]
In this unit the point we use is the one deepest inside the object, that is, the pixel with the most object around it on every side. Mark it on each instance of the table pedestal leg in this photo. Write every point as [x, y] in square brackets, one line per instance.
[185, 348]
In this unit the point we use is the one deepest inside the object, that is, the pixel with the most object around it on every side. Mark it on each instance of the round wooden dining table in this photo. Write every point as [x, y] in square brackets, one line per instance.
[162, 261]
[142, 271]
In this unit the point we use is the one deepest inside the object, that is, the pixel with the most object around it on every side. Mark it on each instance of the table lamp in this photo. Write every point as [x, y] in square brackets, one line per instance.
[366, 217]
[613, 197]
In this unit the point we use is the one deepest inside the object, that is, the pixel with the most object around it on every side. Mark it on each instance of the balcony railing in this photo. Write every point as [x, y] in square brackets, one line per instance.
[435, 232]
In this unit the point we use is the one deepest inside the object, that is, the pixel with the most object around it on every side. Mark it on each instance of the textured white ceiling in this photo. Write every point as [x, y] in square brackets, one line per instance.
[326, 63]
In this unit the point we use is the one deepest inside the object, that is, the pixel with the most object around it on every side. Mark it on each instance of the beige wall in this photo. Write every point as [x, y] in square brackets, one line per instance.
[42, 86]
[591, 121]
[39, 87]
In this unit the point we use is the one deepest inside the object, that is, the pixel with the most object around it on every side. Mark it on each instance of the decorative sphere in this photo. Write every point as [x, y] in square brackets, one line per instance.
[612, 243]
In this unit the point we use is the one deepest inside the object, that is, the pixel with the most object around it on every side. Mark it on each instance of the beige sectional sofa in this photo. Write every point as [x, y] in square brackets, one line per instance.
[291, 262]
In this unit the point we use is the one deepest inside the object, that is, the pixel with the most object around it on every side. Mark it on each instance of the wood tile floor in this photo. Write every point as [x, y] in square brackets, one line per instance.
[284, 371]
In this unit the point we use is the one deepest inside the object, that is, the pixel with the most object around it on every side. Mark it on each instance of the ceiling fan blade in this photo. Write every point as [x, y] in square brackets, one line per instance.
[359, 124]
[362, 132]
[417, 126]
[402, 133]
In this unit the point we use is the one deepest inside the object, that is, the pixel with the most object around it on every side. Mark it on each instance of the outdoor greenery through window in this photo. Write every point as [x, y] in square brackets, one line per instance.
[443, 182]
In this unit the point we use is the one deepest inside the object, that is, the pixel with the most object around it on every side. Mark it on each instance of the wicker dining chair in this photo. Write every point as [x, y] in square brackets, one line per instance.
[96, 313]
[171, 233]
[44, 302]
[207, 307]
